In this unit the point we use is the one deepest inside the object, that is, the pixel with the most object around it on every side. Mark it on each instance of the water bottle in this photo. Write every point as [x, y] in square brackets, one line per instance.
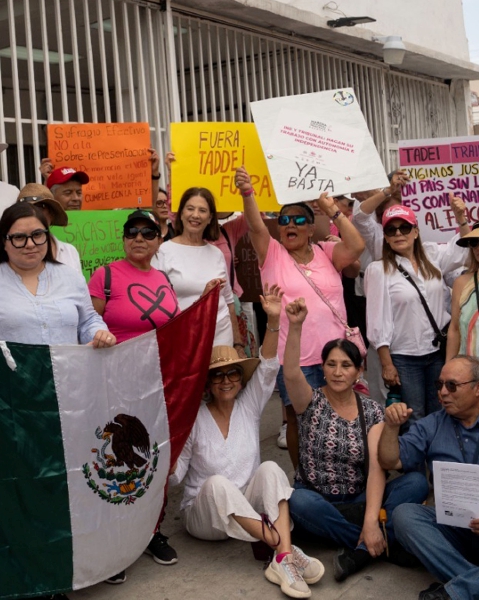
[394, 395]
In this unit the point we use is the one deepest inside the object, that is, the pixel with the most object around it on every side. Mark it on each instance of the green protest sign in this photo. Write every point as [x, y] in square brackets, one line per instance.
[96, 234]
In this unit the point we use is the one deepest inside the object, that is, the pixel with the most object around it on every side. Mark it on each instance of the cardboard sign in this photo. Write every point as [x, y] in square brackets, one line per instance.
[115, 156]
[208, 154]
[97, 235]
[437, 167]
[317, 143]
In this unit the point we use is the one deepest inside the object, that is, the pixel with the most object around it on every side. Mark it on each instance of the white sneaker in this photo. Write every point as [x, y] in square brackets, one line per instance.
[311, 568]
[287, 575]
[281, 441]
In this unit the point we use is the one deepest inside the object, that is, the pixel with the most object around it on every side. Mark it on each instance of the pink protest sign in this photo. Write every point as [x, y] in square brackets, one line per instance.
[436, 168]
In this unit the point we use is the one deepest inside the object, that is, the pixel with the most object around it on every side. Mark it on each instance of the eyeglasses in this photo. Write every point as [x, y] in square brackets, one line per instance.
[404, 229]
[297, 219]
[19, 240]
[161, 203]
[472, 243]
[233, 375]
[451, 386]
[146, 232]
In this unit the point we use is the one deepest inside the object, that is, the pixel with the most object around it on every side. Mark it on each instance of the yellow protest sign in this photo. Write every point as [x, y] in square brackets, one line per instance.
[115, 157]
[208, 154]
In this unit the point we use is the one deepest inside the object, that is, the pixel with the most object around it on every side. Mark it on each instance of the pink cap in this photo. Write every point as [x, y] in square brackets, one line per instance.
[64, 174]
[398, 211]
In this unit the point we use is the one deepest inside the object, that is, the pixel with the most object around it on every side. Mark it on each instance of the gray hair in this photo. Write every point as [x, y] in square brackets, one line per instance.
[473, 363]
[54, 189]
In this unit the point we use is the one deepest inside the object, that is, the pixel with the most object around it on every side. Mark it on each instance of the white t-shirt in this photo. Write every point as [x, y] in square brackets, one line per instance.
[189, 269]
[8, 195]
[67, 254]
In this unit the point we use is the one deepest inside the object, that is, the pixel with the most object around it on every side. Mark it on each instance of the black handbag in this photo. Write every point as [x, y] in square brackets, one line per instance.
[440, 339]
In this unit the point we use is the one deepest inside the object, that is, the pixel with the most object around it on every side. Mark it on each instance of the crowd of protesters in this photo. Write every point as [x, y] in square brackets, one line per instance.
[372, 272]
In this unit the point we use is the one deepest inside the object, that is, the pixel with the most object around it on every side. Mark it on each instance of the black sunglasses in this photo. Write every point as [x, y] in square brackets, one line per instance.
[297, 219]
[404, 229]
[131, 232]
[472, 243]
[451, 386]
[233, 375]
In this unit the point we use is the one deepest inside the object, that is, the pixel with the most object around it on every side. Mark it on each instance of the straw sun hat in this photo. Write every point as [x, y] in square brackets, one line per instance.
[227, 356]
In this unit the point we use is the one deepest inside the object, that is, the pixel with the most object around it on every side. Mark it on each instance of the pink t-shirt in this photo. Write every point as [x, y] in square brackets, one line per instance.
[139, 302]
[321, 325]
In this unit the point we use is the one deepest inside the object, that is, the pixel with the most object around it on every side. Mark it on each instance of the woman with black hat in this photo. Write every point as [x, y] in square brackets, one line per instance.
[463, 333]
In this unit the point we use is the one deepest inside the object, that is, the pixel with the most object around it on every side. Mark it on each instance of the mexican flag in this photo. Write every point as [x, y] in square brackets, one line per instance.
[87, 438]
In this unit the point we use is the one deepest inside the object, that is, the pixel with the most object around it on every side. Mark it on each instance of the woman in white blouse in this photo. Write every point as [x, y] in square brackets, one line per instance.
[397, 323]
[228, 493]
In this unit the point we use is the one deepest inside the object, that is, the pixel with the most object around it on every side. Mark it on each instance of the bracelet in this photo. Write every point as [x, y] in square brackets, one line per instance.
[155, 177]
[337, 214]
[384, 191]
[238, 344]
[272, 328]
[247, 193]
[462, 224]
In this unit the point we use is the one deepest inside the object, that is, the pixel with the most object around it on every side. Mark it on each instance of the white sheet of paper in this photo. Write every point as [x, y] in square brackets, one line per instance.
[456, 491]
[303, 168]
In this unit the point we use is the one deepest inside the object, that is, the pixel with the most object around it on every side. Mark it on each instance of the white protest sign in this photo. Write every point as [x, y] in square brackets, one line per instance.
[317, 143]
[437, 167]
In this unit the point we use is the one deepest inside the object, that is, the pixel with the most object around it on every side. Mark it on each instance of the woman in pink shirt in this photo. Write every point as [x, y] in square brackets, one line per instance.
[298, 267]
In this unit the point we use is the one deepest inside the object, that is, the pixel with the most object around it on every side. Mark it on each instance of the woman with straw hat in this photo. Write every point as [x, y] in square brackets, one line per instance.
[228, 493]
[463, 333]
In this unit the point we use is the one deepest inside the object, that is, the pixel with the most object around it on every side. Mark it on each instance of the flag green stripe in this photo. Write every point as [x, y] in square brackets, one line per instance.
[35, 533]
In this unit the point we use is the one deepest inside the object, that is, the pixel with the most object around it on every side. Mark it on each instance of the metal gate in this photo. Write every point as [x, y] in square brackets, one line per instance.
[222, 67]
[125, 60]
[79, 61]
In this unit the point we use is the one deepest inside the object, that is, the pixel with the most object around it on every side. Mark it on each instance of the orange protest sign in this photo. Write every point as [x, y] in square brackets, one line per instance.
[115, 156]
[208, 154]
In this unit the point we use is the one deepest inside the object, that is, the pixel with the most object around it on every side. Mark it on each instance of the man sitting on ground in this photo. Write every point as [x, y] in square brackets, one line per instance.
[451, 435]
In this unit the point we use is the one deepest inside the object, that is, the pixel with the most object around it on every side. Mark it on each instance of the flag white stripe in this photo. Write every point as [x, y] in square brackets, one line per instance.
[126, 379]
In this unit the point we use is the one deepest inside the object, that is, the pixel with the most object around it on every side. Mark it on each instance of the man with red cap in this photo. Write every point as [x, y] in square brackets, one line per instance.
[65, 183]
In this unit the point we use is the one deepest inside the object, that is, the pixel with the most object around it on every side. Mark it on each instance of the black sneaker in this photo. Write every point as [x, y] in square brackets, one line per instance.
[436, 591]
[347, 562]
[116, 579]
[161, 551]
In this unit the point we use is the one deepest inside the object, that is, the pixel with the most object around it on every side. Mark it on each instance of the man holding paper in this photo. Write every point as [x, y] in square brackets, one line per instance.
[450, 435]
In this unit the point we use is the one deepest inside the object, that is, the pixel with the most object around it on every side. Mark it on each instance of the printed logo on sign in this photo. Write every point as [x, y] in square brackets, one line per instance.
[343, 98]
[131, 481]
[319, 126]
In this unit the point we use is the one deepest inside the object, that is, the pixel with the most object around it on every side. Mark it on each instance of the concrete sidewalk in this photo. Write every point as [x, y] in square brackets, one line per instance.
[227, 570]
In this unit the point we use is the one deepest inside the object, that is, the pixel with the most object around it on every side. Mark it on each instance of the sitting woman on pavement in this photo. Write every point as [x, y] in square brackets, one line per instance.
[339, 434]
[228, 493]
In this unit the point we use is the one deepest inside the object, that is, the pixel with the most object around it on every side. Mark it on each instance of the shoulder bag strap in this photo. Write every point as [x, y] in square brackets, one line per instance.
[362, 422]
[107, 284]
[321, 295]
[232, 266]
[477, 290]
[408, 277]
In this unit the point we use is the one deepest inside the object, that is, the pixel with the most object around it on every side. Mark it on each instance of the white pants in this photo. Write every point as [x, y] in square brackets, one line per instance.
[209, 517]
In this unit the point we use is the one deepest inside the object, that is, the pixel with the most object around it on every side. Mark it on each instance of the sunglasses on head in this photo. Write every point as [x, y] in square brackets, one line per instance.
[297, 219]
[451, 386]
[233, 375]
[404, 229]
[131, 232]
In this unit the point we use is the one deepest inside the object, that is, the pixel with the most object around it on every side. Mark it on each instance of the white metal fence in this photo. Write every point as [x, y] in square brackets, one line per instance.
[125, 60]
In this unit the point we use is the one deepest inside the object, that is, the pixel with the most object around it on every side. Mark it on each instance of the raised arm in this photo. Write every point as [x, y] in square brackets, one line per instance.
[298, 388]
[271, 303]
[399, 179]
[350, 247]
[258, 231]
[453, 334]
[395, 415]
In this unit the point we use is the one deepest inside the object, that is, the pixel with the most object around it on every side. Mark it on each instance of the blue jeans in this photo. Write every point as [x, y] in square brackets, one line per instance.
[446, 552]
[318, 515]
[417, 375]
[314, 376]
